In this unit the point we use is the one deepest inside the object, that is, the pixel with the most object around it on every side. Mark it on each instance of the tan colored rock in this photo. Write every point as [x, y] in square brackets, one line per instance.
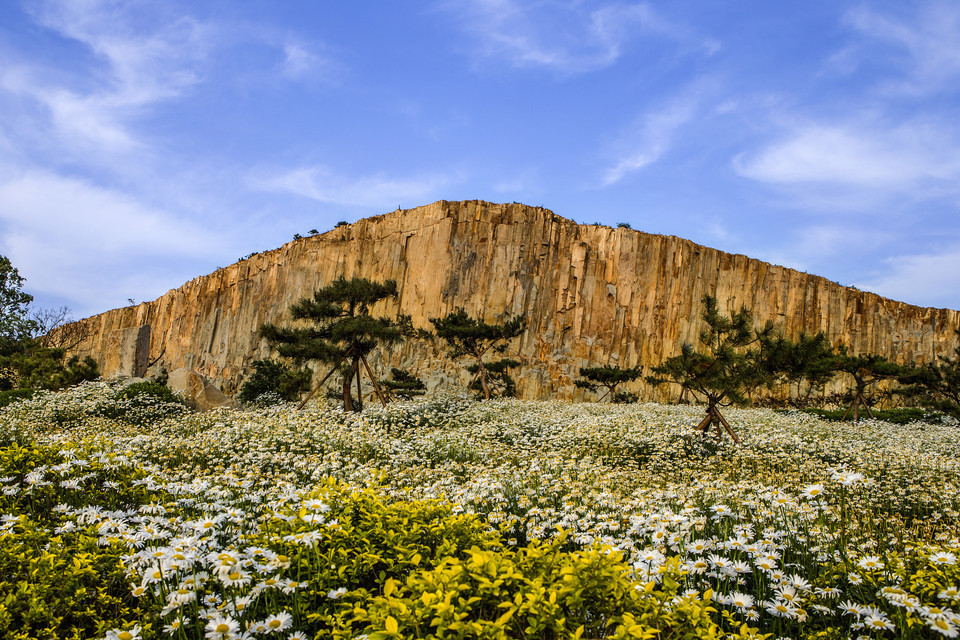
[593, 296]
[202, 394]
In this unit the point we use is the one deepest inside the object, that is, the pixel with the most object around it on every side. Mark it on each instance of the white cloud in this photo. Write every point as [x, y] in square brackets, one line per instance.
[654, 132]
[929, 35]
[323, 184]
[651, 139]
[142, 65]
[911, 158]
[566, 37]
[931, 279]
[302, 62]
[76, 240]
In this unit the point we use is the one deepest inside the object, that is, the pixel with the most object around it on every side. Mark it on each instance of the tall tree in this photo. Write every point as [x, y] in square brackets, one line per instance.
[471, 337]
[342, 332]
[608, 377]
[730, 363]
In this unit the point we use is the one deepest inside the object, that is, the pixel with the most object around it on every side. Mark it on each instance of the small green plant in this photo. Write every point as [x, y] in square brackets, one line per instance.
[403, 384]
[273, 382]
[143, 402]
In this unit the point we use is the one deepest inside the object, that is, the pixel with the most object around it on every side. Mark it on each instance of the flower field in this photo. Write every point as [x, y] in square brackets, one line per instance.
[462, 519]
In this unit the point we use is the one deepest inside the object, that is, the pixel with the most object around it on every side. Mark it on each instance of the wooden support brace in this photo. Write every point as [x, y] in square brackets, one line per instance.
[376, 386]
[325, 378]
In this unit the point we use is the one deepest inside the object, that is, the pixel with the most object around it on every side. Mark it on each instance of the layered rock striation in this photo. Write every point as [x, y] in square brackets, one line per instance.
[593, 296]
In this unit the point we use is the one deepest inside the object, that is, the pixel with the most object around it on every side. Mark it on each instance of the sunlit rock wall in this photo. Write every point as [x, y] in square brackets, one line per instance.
[593, 295]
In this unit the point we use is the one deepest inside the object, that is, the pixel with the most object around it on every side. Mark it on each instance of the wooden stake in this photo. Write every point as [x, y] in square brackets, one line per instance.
[376, 386]
[325, 378]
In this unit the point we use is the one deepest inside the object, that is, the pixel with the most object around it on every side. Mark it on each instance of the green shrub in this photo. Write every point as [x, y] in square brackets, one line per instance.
[6, 397]
[538, 591]
[897, 416]
[141, 403]
[273, 381]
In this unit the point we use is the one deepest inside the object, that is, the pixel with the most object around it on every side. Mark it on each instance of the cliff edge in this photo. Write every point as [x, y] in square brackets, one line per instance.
[593, 296]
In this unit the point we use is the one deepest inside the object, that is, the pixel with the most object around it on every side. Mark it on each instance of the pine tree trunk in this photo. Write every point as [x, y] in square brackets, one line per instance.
[484, 379]
[347, 380]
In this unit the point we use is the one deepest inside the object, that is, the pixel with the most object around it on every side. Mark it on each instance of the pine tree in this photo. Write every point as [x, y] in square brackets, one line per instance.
[729, 364]
[609, 377]
[866, 371]
[470, 337]
[403, 384]
[810, 359]
[342, 333]
[936, 385]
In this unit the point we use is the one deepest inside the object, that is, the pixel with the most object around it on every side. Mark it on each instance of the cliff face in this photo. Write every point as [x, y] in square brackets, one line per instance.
[593, 296]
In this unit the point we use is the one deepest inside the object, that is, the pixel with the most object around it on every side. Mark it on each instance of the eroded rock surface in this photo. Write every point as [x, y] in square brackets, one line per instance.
[593, 296]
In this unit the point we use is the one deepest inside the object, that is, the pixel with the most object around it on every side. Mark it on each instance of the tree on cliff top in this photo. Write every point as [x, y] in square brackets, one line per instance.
[342, 333]
[730, 363]
[466, 336]
[608, 377]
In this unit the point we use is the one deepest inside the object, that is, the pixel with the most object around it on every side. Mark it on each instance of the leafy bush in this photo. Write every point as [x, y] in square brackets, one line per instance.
[537, 591]
[897, 416]
[6, 397]
[272, 382]
[143, 402]
[148, 389]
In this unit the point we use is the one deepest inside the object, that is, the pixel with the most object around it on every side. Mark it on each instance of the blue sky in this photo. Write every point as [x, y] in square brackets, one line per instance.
[145, 143]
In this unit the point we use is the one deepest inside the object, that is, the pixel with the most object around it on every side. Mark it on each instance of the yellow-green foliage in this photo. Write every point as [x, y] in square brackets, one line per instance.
[60, 586]
[58, 582]
[537, 591]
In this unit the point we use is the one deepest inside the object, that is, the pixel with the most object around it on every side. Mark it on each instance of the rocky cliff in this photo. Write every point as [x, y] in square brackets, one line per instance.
[593, 295]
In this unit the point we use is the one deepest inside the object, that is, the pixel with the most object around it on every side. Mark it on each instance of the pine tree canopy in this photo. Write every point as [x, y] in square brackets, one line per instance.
[342, 324]
[730, 363]
[470, 336]
[342, 329]
[466, 336]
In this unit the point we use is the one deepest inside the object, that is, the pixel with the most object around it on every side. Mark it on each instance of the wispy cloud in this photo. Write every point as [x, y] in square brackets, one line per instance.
[140, 67]
[655, 131]
[325, 185]
[925, 279]
[651, 138]
[53, 224]
[304, 61]
[921, 40]
[918, 159]
[565, 37]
